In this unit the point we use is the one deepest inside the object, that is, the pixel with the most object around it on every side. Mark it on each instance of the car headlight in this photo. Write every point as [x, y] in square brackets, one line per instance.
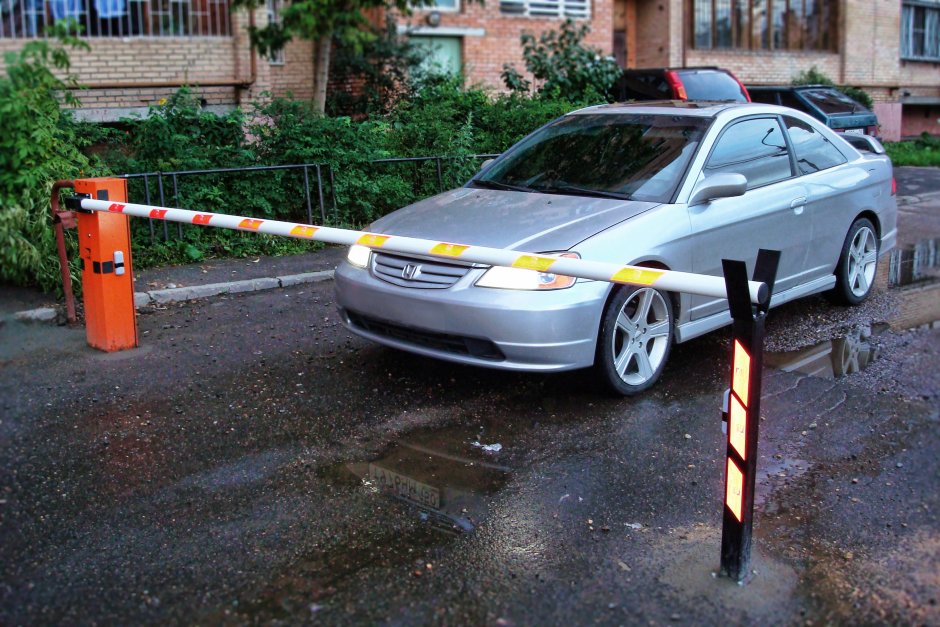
[522, 279]
[359, 255]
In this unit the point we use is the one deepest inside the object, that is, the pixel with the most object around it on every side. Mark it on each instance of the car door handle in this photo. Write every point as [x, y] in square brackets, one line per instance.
[798, 204]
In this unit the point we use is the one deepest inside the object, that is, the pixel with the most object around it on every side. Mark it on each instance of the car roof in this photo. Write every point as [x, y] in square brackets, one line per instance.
[674, 69]
[692, 108]
[789, 87]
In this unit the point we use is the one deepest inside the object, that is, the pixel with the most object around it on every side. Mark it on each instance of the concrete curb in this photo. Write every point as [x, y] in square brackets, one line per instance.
[194, 292]
[181, 294]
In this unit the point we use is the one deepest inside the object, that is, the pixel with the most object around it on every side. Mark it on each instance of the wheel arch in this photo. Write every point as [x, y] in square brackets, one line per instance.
[872, 217]
[674, 297]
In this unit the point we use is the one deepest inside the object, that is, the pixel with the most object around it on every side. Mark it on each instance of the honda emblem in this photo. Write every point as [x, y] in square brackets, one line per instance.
[410, 271]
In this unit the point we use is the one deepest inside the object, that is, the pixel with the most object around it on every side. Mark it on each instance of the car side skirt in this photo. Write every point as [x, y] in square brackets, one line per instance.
[695, 328]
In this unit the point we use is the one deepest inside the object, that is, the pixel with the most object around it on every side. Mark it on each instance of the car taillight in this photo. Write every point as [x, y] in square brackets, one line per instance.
[871, 130]
[743, 88]
[894, 186]
[678, 89]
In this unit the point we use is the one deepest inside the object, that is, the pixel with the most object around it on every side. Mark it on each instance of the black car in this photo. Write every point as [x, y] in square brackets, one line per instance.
[692, 83]
[823, 102]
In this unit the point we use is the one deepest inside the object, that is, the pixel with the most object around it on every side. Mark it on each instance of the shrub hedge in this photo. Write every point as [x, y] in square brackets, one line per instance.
[40, 142]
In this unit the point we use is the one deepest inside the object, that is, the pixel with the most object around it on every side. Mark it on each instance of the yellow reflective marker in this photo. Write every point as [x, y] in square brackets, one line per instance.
[533, 262]
[449, 250]
[734, 493]
[373, 240]
[250, 224]
[737, 426]
[741, 373]
[303, 231]
[636, 276]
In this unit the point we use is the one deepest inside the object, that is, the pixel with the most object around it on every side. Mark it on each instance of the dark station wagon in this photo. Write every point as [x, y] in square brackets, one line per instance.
[827, 104]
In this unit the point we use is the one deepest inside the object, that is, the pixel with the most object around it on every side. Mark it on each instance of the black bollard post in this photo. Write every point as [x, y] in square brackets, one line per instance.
[747, 357]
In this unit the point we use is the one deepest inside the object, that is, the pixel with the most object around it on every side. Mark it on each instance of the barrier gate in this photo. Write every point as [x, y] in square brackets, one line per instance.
[102, 211]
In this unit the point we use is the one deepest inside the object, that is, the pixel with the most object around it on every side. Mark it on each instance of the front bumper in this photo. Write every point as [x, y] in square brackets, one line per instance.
[543, 331]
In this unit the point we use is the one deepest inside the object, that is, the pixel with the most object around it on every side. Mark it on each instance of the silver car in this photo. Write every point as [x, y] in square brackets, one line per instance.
[667, 185]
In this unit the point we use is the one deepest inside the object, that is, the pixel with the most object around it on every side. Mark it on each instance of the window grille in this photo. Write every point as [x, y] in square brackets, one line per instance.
[576, 9]
[920, 31]
[117, 18]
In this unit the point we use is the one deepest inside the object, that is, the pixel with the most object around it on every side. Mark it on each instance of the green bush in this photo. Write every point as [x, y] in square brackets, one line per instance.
[39, 143]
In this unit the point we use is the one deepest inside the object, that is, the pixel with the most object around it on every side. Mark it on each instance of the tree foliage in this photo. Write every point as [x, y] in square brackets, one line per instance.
[38, 144]
[563, 66]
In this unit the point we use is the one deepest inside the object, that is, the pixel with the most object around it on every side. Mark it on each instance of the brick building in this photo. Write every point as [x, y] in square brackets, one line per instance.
[143, 50]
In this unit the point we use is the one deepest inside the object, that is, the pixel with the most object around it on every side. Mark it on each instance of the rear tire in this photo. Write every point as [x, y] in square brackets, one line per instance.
[858, 264]
[635, 338]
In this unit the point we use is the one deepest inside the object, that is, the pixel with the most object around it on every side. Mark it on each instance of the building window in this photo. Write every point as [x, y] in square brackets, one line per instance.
[448, 6]
[920, 31]
[764, 24]
[274, 17]
[117, 18]
[440, 55]
[575, 9]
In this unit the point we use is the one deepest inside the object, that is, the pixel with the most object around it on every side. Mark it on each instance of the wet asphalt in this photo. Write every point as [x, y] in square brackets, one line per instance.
[253, 463]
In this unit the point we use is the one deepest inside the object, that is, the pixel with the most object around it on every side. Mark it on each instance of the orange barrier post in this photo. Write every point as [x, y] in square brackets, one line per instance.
[107, 281]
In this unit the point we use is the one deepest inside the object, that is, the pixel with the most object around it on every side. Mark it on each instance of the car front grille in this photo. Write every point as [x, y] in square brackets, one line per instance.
[457, 344]
[415, 272]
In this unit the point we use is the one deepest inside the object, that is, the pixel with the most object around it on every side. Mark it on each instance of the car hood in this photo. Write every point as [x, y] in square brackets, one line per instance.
[524, 221]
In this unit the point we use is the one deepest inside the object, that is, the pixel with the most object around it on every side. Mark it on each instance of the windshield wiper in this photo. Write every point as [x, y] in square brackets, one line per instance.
[502, 186]
[582, 191]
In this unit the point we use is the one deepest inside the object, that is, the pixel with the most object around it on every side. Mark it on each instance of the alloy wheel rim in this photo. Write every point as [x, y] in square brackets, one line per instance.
[863, 258]
[641, 336]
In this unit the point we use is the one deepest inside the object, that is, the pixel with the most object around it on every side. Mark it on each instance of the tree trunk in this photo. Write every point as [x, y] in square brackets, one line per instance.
[323, 47]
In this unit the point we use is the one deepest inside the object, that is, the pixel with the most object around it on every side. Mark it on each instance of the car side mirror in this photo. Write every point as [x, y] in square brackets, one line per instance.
[718, 186]
[485, 164]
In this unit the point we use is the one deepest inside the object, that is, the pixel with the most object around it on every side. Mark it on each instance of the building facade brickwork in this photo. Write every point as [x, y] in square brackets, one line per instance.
[125, 75]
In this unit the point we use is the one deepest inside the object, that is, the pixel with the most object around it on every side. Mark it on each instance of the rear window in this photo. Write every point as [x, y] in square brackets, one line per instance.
[711, 86]
[832, 102]
[648, 86]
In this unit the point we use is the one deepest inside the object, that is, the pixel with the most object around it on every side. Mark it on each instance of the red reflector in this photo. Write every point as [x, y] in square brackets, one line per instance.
[741, 372]
[734, 492]
[737, 426]
[894, 186]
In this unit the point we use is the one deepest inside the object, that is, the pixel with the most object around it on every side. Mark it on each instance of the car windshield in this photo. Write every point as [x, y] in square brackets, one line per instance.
[629, 156]
[832, 101]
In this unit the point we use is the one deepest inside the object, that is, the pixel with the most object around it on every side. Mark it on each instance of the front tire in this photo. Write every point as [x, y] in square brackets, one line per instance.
[635, 337]
[855, 273]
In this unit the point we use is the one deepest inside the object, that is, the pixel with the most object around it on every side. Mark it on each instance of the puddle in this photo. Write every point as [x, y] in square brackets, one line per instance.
[914, 264]
[444, 475]
[777, 469]
[831, 359]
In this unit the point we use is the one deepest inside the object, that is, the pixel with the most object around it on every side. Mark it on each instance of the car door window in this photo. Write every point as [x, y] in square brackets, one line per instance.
[813, 151]
[755, 148]
[789, 99]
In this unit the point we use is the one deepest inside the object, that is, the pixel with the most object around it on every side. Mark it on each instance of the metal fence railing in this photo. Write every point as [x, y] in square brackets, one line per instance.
[315, 198]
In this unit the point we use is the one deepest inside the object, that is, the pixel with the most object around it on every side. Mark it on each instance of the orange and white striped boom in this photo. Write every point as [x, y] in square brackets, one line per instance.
[668, 280]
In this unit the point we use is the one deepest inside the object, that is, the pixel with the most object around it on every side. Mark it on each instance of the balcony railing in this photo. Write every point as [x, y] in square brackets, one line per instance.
[117, 18]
